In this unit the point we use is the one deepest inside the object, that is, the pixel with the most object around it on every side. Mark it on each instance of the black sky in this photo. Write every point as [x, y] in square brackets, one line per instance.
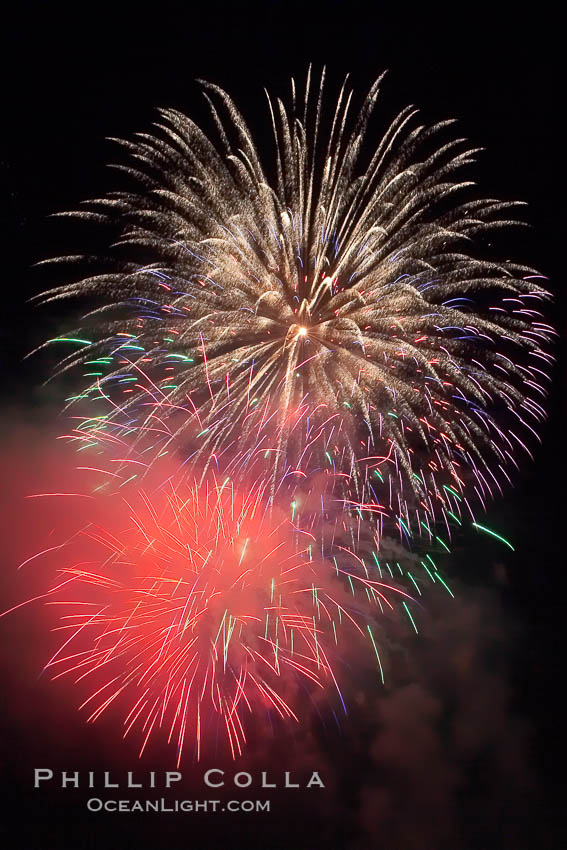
[76, 75]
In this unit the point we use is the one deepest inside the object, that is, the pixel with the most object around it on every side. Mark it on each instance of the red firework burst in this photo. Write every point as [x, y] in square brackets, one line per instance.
[204, 609]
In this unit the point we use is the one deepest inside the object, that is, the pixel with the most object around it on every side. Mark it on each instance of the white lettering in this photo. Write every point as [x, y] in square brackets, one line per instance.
[209, 773]
[172, 776]
[289, 784]
[131, 783]
[243, 783]
[72, 778]
[265, 783]
[315, 780]
[38, 777]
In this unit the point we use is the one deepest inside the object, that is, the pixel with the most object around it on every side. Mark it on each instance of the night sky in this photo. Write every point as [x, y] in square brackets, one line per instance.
[467, 740]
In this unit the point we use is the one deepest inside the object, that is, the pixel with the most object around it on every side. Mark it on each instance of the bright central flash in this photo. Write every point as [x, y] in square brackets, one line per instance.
[302, 332]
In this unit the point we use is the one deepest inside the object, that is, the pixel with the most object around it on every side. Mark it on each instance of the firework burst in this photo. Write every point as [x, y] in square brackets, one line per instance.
[338, 320]
[196, 608]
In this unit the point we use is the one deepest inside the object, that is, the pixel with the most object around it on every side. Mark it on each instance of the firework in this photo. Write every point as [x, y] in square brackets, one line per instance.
[318, 358]
[338, 321]
[195, 609]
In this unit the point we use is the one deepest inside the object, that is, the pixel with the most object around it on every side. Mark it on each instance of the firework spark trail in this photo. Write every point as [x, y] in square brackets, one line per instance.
[338, 317]
[196, 607]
